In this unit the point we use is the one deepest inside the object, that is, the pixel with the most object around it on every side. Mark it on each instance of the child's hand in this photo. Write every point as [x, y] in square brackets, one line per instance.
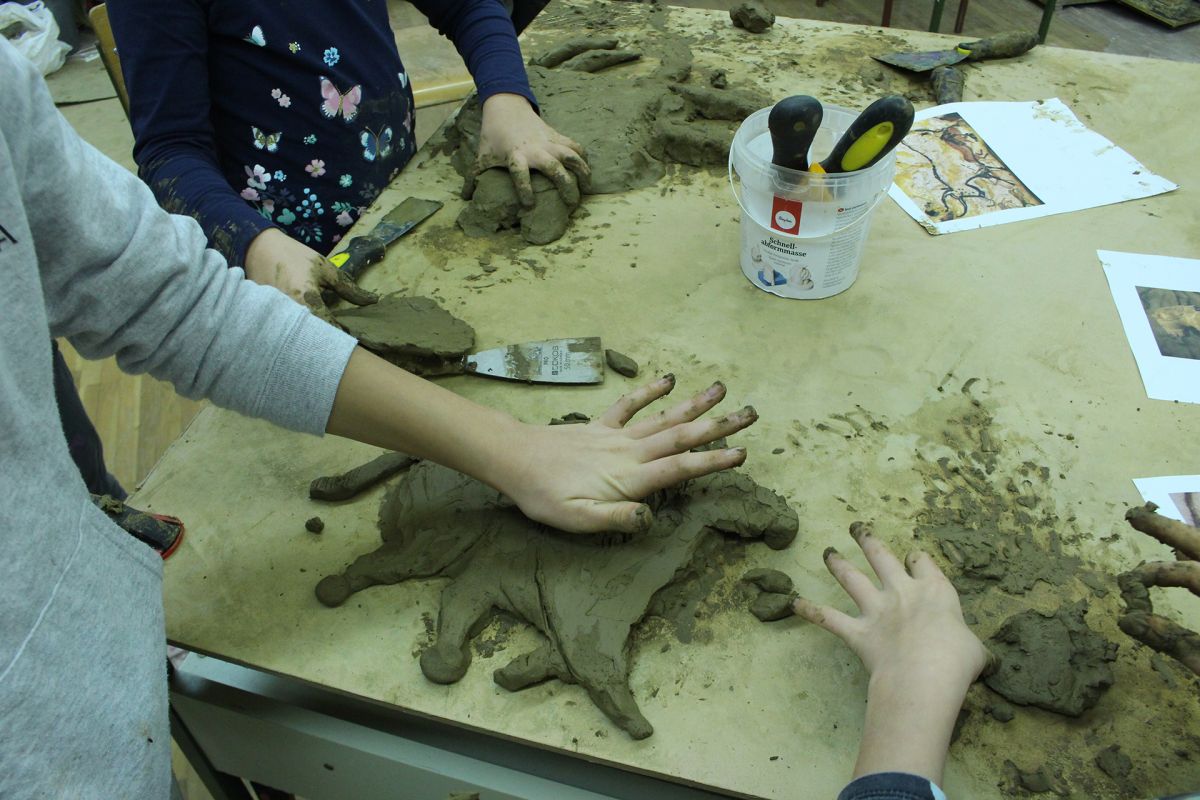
[912, 625]
[587, 478]
[921, 655]
[513, 136]
[276, 259]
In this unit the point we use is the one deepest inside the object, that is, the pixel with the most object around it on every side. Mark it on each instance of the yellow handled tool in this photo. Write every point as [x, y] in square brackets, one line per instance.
[872, 136]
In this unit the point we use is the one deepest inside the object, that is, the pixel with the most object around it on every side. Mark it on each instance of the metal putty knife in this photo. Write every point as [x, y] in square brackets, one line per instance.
[1003, 45]
[365, 250]
[549, 361]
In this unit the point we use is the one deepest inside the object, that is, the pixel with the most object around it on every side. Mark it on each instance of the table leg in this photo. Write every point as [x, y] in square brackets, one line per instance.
[887, 14]
[935, 21]
[1047, 15]
[961, 19]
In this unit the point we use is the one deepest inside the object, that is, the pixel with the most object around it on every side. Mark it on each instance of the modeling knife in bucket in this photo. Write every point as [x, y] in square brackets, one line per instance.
[549, 361]
[366, 250]
[1004, 45]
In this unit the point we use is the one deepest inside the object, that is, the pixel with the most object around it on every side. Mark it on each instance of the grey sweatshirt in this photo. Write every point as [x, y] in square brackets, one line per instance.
[86, 254]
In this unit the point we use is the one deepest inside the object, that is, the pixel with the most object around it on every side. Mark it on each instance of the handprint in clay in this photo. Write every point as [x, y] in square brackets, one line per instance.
[583, 593]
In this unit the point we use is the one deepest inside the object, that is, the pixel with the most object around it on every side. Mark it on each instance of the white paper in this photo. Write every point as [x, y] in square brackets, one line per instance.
[1003, 162]
[1177, 496]
[1167, 350]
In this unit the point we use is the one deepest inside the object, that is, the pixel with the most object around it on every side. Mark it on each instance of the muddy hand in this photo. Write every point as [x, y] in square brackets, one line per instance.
[300, 272]
[329, 283]
[514, 137]
[912, 623]
[1139, 620]
[589, 478]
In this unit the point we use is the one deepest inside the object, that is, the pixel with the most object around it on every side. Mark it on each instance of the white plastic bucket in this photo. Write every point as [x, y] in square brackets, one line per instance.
[803, 233]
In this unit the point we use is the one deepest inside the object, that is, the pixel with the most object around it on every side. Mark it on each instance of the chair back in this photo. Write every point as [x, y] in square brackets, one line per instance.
[108, 52]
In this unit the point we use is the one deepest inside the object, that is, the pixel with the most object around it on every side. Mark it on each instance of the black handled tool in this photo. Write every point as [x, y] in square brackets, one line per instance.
[369, 248]
[793, 123]
[872, 136]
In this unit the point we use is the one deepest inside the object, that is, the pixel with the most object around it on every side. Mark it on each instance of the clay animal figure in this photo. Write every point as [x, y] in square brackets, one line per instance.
[583, 593]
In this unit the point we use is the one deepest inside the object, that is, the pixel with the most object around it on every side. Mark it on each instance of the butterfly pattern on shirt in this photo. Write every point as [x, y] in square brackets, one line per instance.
[278, 199]
[377, 145]
[335, 102]
[266, 141]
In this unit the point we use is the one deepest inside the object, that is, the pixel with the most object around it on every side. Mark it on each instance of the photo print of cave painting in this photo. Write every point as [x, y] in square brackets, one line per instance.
[1158, 299]
[948, 165]
[972, 165]
[1177, 496]
[1174, 319]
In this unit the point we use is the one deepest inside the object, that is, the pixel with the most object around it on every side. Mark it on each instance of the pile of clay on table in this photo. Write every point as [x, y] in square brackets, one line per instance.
[632, 119]
[584, 593]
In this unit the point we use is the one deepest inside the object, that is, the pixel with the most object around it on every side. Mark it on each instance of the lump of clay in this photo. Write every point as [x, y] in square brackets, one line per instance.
[355, 481]
[774, 597]
[584, 599]
[1052, 661]
[412, 332]
[571, 48]
[1113, 763]
[494, 207]
[753, 15]
[621, 363]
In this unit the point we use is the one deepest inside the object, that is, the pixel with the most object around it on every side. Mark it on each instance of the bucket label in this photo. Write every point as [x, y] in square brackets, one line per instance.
[802, 268]
[785, 215]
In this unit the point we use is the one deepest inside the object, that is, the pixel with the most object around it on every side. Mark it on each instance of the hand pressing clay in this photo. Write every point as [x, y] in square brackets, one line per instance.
[630, 122]
[583, 597]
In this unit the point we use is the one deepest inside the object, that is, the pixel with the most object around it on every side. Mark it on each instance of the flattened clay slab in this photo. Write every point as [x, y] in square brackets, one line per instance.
[1054, 661]
[584, 598]
[412, 332]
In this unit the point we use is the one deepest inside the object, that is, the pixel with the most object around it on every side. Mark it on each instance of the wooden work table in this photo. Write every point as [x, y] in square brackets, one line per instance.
[770, 711]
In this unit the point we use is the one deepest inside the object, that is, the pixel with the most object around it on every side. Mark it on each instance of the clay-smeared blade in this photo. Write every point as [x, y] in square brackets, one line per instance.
[922, 62]
[550, 361]
[403, 218]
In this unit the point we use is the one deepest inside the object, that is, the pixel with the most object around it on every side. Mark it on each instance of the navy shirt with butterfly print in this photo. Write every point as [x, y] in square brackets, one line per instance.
[286, 113]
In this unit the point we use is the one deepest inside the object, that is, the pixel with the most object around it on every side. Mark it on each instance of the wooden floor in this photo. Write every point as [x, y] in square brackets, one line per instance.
[138, 417]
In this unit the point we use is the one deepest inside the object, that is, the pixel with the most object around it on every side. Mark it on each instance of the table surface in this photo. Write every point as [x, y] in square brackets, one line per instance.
[757, 710]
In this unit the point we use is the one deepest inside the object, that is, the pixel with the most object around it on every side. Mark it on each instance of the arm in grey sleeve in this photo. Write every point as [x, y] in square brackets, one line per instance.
[122, 277]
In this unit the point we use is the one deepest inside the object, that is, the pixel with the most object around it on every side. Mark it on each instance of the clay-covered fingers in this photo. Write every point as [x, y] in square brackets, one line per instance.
[518, 170]
[886, 565]
[341, 284]
[860, 588]
[620, 412]
[922, 566]
[1185, 574]
[686, 411]
[688, 435]
[1171, 532]
[565, 182]
[620, 516]
[836, 622]
[664, 472]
